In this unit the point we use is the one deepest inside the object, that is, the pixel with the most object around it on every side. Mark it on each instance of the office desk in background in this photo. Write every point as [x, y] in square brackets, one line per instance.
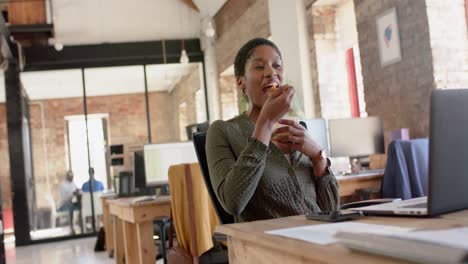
[133, 228]
[107, 222]
[349, 184]
[248, 243]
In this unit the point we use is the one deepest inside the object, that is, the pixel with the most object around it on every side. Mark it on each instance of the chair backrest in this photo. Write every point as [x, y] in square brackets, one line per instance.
[194, 217]
[199, 140]
[407, 169]
[51, 201]
[86, 204]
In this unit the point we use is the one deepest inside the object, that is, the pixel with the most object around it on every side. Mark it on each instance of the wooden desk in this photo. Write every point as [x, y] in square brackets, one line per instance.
[249, 244]
[350, 183]
[107, 221]
[133, 228]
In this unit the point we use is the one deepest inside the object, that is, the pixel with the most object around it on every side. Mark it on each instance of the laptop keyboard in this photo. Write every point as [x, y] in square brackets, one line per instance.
[419, 205]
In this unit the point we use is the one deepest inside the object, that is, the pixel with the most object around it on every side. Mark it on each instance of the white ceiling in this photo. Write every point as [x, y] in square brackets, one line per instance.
[101, 81]
[78, 22]
[109, 21]
[209, 7]
[329, 2]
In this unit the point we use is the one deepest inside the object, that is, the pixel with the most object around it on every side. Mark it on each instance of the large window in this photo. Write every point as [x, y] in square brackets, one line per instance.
[334, 37]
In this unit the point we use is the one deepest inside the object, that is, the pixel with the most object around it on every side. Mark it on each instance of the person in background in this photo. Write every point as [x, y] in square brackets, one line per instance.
[259, 172]
[67, 190]
[97, 185]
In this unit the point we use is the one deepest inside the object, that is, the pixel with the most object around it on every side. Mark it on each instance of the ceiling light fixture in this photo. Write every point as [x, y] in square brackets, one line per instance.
[210, 31]
[184, 59]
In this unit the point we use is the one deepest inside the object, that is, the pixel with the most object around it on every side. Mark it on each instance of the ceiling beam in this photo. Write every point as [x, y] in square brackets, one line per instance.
[107, 55]
[191, 4]
[9, 49]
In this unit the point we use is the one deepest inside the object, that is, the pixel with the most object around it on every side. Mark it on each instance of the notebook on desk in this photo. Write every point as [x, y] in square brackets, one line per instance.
[423, 246]
[448, 160]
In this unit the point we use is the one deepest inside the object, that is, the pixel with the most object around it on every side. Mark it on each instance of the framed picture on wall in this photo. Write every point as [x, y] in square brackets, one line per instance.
[388, 37]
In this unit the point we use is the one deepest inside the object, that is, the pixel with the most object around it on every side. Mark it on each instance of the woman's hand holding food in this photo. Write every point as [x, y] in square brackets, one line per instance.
[294, 136]
[275, 107]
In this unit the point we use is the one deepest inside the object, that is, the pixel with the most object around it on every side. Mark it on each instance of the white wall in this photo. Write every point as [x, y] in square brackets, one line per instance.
[288, 31]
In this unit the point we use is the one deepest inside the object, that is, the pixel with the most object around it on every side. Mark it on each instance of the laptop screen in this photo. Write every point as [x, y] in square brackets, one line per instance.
[448, 151]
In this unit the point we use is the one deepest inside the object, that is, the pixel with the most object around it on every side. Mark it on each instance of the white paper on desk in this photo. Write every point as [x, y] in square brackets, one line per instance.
[453, 237]
[324, 234]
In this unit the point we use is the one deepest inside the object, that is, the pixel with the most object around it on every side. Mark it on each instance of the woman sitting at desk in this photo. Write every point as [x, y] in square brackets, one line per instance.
[259, 172]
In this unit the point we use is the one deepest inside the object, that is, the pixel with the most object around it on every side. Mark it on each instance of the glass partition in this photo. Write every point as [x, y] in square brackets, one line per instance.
[117, 124]
[176, 101]
[5, 182]
[57, 205]
[85, 127]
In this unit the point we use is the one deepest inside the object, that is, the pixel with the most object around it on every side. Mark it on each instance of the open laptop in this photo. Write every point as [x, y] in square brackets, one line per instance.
[448, 160]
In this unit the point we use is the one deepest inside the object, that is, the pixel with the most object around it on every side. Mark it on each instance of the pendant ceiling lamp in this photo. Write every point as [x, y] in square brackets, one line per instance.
[184, 59]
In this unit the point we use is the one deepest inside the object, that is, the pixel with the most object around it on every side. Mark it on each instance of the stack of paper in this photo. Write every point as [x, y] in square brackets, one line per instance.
[324, 234]
[431, 246]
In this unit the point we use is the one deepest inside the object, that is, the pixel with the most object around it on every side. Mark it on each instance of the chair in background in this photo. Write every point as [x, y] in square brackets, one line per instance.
[161, 227]
[199, 141]
[54, 214]
[406, 173]
[86, 207]
[193, 217]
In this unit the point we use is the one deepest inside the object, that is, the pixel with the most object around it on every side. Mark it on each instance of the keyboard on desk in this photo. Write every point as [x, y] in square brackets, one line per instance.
[141, 199]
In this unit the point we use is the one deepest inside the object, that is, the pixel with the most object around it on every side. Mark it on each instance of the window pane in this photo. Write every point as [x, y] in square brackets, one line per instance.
[53, 96]
[177, 100]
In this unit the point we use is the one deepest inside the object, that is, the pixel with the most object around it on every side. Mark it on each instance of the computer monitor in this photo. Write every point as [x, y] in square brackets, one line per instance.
[139, 169]
[123, 183]
[317, 129]
[356, 138]
[159, 157]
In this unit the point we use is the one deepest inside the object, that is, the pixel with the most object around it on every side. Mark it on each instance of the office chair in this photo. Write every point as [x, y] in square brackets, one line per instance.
[406, 173]
[161, 228]
[199, 140]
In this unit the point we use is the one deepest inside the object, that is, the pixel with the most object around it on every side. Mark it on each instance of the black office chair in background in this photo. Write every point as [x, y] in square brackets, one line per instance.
[219, 252]
[199, 140]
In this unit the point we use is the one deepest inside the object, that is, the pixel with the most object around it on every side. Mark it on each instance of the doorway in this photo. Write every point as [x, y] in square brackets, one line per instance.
[78, 155]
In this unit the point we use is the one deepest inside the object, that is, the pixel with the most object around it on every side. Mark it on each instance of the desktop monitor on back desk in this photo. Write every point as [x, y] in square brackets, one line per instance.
[139, 177]
[356, 138]
[159, 157]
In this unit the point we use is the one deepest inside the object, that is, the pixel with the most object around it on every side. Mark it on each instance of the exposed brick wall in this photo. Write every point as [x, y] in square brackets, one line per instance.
[448, 42]
[126, 125]
[313, 59]
[330, 68]
[236, 23]
[229, 97]
[185, 92]
[400, 92]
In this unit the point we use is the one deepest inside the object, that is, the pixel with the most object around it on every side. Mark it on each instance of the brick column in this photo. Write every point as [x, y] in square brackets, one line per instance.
[399, 93]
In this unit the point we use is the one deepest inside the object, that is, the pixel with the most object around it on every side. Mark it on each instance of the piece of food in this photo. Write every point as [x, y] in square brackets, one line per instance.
[273, 88]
